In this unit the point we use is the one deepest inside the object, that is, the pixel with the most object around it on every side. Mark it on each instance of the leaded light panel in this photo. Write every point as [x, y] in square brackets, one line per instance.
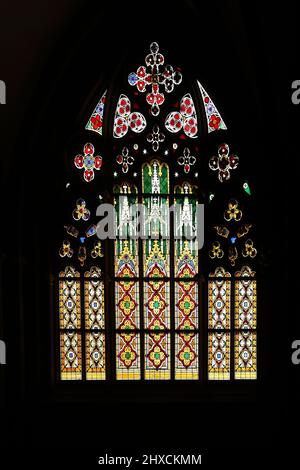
[153, 302]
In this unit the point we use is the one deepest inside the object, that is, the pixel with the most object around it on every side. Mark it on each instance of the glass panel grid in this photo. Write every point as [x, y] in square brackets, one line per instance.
[186, 356]
[127, 300]
[219, 302]
[157, 356]
[186, 305]
[156, 258]
[185, 258]
[157, 305]
[219, 355]
[126, 258]
[219, 323]
[94, 304]
[245, 304]
[70, 355]
[128, 356]
[69, 303]
[95, 356]
[245, 355]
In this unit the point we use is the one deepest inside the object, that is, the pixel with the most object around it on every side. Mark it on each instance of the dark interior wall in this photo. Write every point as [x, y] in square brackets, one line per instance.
[29, 36]
[53, 55]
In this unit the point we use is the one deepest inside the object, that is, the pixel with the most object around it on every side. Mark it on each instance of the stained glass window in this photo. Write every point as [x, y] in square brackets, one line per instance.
[94, 324]
[127, 287]
[186, 283]
[156, 272]
[219, 322]
[95, 122]
[152, 302]
[245, 366]
[232, 325]
[76, 332]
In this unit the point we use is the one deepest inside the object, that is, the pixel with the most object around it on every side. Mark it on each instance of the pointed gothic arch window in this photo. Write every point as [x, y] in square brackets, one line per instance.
[156, 306]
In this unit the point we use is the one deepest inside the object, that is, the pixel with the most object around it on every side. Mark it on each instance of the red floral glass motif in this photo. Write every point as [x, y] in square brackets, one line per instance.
[125, 119]
[88, 161]
[213, 117]
[154, 75]
[185, 119]
[95, 122]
